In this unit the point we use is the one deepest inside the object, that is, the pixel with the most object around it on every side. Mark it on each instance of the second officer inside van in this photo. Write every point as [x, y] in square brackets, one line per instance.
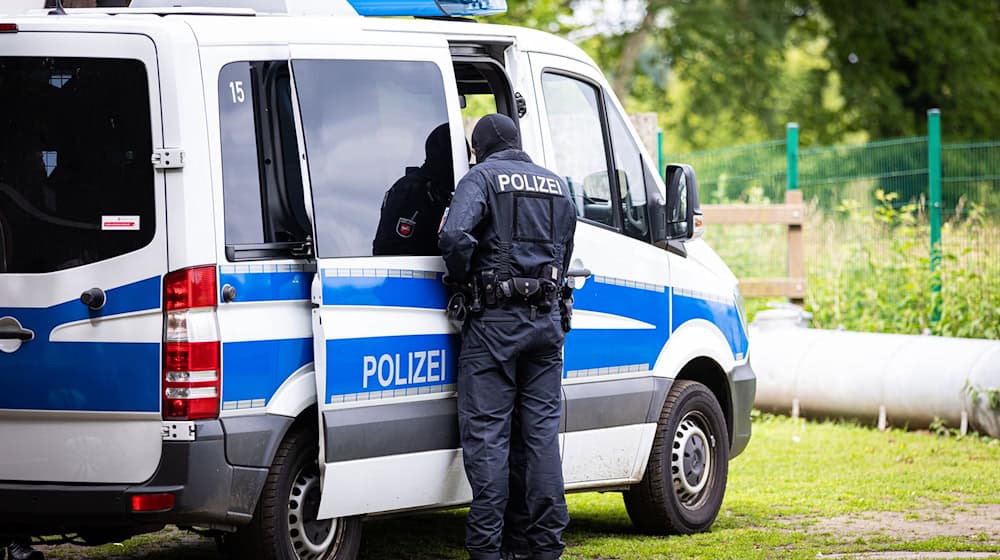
[412, 208]
[507, 238]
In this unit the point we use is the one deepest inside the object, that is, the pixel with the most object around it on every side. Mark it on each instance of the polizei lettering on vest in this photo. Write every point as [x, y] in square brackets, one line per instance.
[530, 183]
[398, 370]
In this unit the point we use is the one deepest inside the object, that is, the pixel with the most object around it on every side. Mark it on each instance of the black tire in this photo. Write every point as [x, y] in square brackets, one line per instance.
[685, 480]
[284, 525]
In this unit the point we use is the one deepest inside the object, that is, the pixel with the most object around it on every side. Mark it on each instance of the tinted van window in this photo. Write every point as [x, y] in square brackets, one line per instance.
[76, 181]
[631, 178]
[365, 123]
[261, 175]
[240, 171]
[574, 118]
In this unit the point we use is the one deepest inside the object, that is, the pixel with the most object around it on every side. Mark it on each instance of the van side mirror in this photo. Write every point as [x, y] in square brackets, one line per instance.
[679, 216]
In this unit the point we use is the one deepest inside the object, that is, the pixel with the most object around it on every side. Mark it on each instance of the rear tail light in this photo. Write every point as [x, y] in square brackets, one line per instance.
[152, 502]
[8, 28]
[192, 379]
[190, 288]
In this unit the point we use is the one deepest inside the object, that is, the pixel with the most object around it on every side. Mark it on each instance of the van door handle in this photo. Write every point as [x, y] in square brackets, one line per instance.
[577, 275]
[11, 329]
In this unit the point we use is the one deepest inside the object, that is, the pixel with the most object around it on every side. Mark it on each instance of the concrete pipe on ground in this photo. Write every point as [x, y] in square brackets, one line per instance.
[841, 374]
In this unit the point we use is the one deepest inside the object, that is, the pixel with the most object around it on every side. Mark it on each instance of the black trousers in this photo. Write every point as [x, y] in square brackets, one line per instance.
[509, 405]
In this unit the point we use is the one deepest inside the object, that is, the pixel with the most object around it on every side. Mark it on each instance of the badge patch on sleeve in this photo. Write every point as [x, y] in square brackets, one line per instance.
[404, 227]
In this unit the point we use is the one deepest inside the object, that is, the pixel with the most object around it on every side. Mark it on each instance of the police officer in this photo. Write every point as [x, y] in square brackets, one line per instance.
[413, 206]
[507, 239]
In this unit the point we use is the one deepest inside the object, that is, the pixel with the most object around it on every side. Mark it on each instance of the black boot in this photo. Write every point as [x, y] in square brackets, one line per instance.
[22, 550]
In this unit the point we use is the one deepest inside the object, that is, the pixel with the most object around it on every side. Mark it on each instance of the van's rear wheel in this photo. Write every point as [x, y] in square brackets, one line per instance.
[285, 525]
[685, 480]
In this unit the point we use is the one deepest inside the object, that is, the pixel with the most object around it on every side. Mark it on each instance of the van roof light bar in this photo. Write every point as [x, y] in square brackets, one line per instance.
[415, 8]
[429, 8]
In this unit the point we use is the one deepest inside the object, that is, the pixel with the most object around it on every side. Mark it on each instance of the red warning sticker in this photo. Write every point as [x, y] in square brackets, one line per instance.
[120, 223]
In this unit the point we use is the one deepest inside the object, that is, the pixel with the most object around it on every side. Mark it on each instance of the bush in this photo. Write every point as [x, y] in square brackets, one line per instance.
[880, 280]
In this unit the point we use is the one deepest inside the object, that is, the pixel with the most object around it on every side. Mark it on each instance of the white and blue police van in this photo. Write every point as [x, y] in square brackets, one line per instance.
[194, 331]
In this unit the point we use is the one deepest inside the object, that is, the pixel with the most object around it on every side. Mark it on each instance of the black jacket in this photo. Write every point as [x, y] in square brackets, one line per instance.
[511, 216]
[411, 214]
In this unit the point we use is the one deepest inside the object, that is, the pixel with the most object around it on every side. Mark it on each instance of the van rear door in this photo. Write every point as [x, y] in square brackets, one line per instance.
[81, 218]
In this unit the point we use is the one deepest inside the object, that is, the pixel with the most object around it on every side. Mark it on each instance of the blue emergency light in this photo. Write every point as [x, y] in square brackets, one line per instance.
[429, 8]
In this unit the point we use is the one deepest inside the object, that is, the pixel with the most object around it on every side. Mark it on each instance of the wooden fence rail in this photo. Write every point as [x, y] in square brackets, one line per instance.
[792, 214]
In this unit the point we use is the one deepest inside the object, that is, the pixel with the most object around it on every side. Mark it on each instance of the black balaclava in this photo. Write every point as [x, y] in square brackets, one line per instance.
[437, 161]
[494, 133]
[437, 153]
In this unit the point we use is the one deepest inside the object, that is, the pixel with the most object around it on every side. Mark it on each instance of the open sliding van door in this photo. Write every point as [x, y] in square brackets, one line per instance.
[385, 352]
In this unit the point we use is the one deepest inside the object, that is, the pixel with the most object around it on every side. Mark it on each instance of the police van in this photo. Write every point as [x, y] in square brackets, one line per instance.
[194, 331]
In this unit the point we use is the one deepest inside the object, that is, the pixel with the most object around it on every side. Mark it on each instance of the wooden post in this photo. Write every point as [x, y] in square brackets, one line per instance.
[645, 124]
[796, 249]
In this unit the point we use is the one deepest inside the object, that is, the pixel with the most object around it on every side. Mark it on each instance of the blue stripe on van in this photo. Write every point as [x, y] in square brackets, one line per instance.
[268, 286]
[83, 376]
[425, 293]
[255, 369]
[724, 316]
[591, 349]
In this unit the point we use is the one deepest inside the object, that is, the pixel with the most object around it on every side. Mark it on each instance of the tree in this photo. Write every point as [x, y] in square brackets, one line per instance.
[898, 58]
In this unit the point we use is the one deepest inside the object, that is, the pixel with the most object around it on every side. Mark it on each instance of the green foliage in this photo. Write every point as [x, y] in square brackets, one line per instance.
[880, 281]
[545, 15]
[898, 58]
[725, 72]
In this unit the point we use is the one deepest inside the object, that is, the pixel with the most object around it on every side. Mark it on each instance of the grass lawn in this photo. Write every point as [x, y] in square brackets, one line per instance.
[801, 490]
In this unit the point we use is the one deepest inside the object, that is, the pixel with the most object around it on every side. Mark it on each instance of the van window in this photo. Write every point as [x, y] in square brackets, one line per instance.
[365, 125]
[261, 177]
[574, 119]
[631, 178]
[76, 181]
[240, 168]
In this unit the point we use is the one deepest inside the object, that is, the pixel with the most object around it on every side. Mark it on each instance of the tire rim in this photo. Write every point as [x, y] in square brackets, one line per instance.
[311, 538]
[691, 458]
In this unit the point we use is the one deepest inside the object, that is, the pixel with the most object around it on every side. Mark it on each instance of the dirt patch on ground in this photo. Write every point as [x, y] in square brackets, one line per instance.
[981, 521]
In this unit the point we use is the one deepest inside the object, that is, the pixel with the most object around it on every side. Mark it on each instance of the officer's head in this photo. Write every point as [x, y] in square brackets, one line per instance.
[437, 149]
[494, 133]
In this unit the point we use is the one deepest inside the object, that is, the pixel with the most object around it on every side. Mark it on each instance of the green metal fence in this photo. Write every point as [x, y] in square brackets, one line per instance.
[850, 223]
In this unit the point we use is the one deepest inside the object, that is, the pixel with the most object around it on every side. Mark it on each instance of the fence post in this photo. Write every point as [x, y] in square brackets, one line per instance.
[796, 250]
[792, 148]
[934, 186]
[659, 154]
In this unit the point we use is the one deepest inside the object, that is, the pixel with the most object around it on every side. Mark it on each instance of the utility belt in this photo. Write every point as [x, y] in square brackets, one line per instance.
[486, 291]
[535, 292]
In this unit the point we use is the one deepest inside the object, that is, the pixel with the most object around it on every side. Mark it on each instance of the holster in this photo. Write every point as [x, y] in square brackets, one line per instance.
[566, 308]
[459, 306]
[457, 310]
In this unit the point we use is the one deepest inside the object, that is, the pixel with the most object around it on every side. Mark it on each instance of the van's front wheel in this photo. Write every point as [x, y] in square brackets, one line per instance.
[285, 524]
[685, 480]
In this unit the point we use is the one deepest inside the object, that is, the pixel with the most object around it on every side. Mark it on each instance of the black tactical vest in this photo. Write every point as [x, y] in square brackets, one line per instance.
[530, 219]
